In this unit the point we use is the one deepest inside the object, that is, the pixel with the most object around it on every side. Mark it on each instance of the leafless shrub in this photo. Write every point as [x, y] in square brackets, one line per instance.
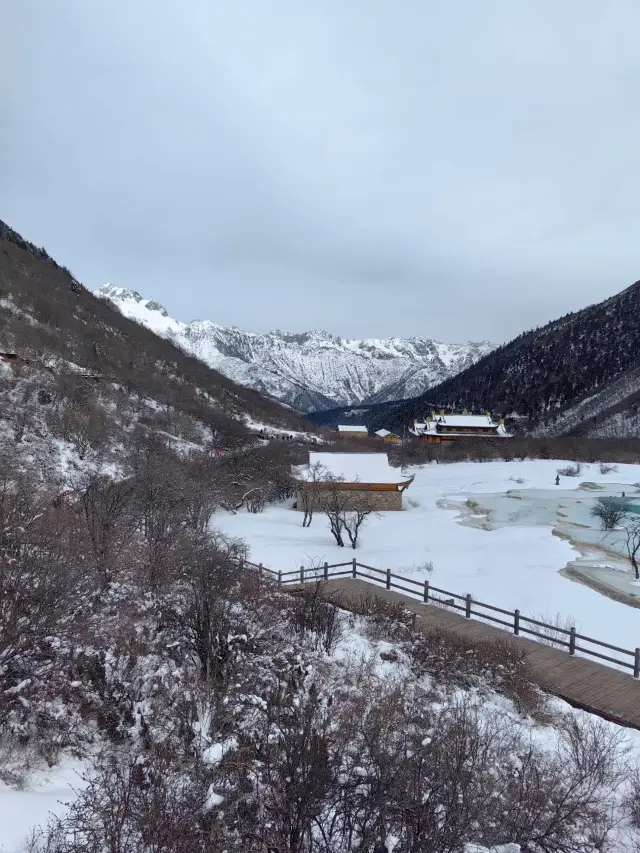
[424, 568]
[594, 748]
[379, 609]
[141, 802]
[610, 512]
[606, 468]
[554, 630]
[456, 660]
[311, 614]
[573, 470]
[313, 568]
[255, 501]
[631, 800]
[444, 603]
[294, 763]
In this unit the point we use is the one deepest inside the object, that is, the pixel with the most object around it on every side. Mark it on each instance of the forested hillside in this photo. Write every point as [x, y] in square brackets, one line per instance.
[81, 361]
[545, 373]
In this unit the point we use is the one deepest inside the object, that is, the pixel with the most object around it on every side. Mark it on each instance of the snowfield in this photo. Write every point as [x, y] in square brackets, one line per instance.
[510, 567]
[45, 794]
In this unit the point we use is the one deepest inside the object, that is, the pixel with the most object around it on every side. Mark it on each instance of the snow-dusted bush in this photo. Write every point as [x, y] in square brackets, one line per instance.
[609, 511]
[573, 470]
[554, 628]
[606, 468]
[220, 713]
[312, 616]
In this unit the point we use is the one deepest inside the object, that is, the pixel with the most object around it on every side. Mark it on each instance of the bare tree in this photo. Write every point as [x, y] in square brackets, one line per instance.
[107, 515]
[335, 504]
[212, 571]
[353, 519]
[310, 493]
[347, 511]
[630, 540]
[160, 502]
[610, 511]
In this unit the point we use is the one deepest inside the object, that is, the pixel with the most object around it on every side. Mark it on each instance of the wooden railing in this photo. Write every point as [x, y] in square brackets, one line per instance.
[511, 620]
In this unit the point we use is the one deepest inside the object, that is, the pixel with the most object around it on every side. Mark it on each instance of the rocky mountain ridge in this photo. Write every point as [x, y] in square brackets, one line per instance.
[312, 370]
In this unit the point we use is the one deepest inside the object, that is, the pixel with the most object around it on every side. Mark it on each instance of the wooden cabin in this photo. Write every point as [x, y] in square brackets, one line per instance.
[386, 435]
[362, 474]
[348, 431]
[441, 428]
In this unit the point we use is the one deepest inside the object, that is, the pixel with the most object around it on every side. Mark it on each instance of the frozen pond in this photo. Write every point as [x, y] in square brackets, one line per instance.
[601, 559]
[524, 554]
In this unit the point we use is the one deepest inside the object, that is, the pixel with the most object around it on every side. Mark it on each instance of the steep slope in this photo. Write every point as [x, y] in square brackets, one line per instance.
[557, 377]
[79, 360]
[310, 371]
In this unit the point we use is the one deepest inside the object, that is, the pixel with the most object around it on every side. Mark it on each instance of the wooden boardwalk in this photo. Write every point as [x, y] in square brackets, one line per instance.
[583, 683]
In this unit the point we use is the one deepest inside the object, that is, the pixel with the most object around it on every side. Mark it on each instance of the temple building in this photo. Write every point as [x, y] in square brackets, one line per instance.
[441, 428]
[367, 477]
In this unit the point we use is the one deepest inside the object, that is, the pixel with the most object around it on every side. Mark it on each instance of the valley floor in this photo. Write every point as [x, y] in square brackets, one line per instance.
[513, 566]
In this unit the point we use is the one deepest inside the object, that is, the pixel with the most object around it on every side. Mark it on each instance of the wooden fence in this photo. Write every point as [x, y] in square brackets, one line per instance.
[511, 620]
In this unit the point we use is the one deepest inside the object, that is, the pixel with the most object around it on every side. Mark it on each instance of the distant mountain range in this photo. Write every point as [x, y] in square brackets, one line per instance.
[313, 370]
[577, 375]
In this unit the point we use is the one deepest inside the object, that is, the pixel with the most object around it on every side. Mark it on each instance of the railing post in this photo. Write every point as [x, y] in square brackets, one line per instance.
[279, 577]
[326, 571]
[354, 568]
[301, 574]
[467, 611]
[388, 578]
[516, 622]
[636, 664]
[425, 595]
[572, 640]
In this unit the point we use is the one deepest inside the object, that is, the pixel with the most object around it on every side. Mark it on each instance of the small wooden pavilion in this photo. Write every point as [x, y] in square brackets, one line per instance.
[368, 477]
[387, 436]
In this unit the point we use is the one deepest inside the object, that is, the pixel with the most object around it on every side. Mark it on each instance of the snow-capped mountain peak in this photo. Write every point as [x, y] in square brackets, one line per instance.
[309, 370]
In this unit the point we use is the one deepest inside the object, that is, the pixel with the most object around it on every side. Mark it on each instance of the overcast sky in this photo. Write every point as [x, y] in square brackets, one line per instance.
[453, 170]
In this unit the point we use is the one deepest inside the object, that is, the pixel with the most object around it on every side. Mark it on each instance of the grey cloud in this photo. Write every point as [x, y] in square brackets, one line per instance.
[459, 170]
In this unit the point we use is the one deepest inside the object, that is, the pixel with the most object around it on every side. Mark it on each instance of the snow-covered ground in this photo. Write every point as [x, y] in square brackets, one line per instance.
[277, 432]
[30, 807]
[515, 566]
